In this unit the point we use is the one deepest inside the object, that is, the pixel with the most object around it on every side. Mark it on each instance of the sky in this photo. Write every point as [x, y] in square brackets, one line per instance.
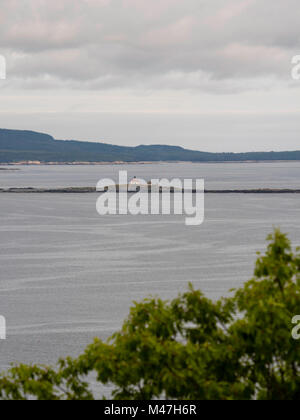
[211, 75]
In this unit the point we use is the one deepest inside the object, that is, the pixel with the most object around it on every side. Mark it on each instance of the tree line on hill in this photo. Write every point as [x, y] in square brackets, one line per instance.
[16, 146]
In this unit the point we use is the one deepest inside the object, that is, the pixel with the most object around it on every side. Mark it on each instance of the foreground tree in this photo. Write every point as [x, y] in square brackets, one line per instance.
[191, 348]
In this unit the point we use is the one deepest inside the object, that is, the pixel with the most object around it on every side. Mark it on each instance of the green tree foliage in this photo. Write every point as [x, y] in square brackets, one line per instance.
[239, 348]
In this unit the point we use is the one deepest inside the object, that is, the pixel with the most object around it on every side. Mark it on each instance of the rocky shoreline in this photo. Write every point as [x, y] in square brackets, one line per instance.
[88, 190]
[9, 169]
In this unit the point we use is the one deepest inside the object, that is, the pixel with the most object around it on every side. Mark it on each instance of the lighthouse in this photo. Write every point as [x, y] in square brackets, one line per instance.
[137, 182]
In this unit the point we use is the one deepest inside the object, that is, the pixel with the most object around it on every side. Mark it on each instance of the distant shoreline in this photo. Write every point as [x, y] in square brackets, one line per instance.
[18, 164]
[91, 190]
[29, 147]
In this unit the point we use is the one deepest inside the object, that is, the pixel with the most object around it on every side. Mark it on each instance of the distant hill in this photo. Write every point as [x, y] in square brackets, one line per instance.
[16, 146]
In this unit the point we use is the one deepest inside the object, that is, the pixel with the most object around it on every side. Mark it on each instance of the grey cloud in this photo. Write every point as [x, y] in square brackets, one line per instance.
[99, 44]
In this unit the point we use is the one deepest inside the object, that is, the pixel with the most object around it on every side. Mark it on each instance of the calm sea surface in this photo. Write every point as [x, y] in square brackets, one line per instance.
[217, 176]
[68, 275]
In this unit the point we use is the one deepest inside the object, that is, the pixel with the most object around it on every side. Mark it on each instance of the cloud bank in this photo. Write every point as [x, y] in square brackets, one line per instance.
[219, 46]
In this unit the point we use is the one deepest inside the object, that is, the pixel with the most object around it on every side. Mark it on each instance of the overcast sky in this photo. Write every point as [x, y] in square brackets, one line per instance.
[205, 74]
